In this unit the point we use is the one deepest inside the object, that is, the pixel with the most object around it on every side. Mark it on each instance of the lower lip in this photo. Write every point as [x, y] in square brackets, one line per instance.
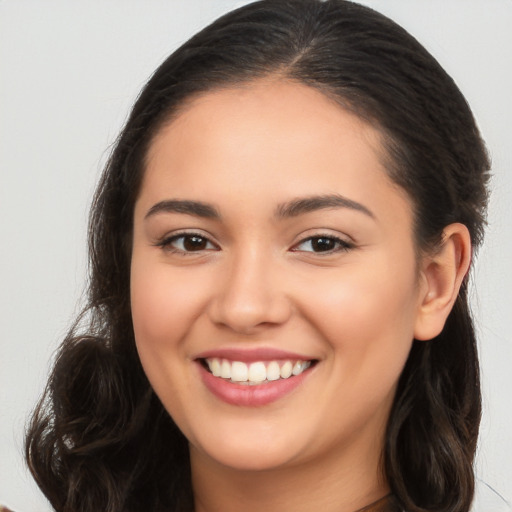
[251, 395]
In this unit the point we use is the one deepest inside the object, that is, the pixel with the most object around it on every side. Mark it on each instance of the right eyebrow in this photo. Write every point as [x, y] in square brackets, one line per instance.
[196, 208]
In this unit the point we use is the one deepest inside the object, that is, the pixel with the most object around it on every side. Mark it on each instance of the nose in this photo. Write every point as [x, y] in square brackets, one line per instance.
[251, 295]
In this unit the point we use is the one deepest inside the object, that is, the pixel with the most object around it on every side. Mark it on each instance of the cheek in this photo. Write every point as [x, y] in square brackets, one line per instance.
[367, 314]
[164, 303]
[367, 322]
[153, 322]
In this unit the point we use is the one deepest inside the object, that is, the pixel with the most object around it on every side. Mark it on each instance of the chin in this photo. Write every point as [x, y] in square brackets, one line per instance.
[249, 454]
[256, 460]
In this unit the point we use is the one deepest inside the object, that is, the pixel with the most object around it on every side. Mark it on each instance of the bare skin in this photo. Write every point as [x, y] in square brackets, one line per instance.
[267, 220]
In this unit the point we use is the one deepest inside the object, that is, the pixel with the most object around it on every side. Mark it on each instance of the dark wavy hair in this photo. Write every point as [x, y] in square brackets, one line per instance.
[100, 439]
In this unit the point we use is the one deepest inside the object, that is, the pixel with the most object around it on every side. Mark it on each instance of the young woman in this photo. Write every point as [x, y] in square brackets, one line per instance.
[279, 251]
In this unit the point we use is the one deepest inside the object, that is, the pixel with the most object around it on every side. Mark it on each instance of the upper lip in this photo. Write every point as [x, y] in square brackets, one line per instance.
[252, 355]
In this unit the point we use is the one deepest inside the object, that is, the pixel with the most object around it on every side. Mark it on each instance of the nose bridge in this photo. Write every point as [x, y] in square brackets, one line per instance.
[250, 293]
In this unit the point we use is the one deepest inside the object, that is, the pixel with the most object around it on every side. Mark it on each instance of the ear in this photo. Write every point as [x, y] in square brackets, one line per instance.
[442, 274]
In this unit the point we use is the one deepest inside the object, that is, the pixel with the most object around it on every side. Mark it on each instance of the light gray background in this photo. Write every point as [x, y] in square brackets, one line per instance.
[69, 71]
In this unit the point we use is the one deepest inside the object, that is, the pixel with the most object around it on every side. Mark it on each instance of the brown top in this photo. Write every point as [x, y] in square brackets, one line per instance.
[386, 504]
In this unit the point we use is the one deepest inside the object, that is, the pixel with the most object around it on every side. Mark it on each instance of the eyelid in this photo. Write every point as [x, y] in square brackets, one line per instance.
[343, 244]
[165, 241]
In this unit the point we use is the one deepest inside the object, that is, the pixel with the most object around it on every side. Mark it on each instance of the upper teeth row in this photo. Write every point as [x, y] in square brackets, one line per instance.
[255, 372]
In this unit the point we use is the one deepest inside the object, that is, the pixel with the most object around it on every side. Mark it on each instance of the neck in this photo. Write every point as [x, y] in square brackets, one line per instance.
[344, 484]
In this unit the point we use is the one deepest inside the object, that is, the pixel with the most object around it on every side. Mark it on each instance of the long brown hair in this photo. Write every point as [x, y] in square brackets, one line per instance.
[100, 439]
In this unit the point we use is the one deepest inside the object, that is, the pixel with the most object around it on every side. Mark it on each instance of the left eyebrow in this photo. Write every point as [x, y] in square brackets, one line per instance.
[303, 205]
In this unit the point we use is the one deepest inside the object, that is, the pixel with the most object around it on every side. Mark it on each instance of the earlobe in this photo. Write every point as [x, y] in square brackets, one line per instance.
[442, 275]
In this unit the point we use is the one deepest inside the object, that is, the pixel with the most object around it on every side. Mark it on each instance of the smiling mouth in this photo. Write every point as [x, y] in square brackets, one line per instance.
[257, 372]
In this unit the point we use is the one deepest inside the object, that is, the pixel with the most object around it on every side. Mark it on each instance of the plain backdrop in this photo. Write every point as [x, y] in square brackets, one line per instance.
[69, 72]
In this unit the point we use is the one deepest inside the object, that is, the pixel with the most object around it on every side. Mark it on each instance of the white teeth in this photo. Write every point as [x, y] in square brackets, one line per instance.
[257, 372]
[225, 370]
[300, 366]
[286, 370]
[239, 371]
[273, 371]
[215, 367]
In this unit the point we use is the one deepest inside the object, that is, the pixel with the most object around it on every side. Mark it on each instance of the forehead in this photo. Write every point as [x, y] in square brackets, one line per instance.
[272, 139]
[260, 105]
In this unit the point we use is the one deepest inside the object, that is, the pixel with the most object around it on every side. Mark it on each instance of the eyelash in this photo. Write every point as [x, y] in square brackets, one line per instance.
[166, 243]
[340, 244]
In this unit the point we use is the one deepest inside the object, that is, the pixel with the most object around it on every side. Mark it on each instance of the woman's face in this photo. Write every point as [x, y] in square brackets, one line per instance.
[269, 240]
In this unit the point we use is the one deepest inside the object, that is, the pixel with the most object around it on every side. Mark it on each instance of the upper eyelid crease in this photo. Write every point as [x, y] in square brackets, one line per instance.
[167, 240]
[343, 243]
[185, 234]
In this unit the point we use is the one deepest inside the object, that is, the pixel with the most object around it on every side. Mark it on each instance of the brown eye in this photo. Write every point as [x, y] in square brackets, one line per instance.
[194, 243]
[185, 243]
[319, 244]
[323, 244]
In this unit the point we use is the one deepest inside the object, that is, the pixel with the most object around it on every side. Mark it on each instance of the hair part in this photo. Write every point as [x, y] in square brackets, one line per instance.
[100, 439]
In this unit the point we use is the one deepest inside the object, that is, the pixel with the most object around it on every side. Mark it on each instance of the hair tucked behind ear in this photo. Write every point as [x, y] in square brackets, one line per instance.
[100, 439]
